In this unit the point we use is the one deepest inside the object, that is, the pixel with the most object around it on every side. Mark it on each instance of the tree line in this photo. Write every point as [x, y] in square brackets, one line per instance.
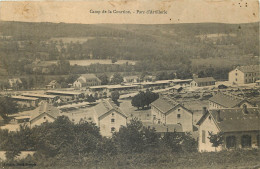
[64, 139]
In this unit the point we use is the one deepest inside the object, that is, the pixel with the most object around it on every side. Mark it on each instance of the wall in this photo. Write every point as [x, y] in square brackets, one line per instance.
[238, 136]
[207, 126]
[185, 118]
[236, 79]
[105, 123]
[193, 84]
[157, 116]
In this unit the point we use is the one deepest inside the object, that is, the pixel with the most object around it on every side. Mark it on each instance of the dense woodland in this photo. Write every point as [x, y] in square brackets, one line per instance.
[25, 46]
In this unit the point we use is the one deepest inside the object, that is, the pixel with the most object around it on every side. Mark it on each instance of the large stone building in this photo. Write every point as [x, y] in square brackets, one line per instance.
[108, 117]
[244, 74]
[200, 82]
[44, 113]
[225, 100]
[87, 80]
[240, 128]
[167, 111]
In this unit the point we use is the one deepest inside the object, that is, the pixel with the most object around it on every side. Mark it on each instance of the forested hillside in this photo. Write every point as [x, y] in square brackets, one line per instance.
[155, 47]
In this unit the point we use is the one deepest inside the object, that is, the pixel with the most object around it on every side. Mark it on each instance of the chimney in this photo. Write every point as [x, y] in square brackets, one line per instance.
[204, 110]
[245, 109]
[219, 119]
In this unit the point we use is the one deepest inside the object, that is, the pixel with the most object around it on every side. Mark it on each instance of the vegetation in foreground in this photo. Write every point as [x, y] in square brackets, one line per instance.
[62, 144]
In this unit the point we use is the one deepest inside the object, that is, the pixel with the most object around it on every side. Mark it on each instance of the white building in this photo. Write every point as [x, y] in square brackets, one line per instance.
[167, 111]
[131, 79]
[87, 80]
[240, 128]
[108, 117]
[200, 82]
[244, 74]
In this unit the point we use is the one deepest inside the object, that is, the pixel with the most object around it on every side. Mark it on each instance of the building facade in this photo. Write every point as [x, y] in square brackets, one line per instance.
[240, 128]
[244, 74]
[108, 117]
[87, 80]
[200, 82]
[167, 111]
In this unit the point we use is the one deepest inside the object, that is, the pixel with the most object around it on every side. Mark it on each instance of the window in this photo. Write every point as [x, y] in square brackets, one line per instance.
[178, 116]
[203, 136]
[231, 142]
[179, 109]
[113, 129]
[236, 79]
[209, 117]
[112, 120]
[246, 141]
[44, 117]
[113, 114]
[236, 74]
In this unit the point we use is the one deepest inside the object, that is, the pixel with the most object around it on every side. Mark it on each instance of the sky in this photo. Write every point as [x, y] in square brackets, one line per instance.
[175, 11]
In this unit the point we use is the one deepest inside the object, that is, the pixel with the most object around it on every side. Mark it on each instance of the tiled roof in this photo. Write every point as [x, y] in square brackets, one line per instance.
[226, 100]
[164, 104]
[131, 77]
[90, 76]
[105, 106]
[233, 120]
[248, 69]
[205, 79]
[45, 108]
[159, 128]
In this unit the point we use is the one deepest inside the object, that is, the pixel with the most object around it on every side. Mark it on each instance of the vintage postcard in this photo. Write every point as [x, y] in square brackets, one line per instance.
[129, 84]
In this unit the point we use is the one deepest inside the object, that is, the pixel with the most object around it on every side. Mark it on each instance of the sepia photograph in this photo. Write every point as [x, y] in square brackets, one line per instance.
[138, 84]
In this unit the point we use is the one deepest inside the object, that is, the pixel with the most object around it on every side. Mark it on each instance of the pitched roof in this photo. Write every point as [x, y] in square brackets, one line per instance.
[131, 77]
[45, 108]
[165, 104]
[250, 68]
[205, 79]
[90, 76]
[159, 128]
[226, 100]
[105, 106]
[235, 120]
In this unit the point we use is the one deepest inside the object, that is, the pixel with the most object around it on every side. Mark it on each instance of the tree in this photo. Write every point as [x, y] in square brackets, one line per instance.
[135, 137]
[117, 79]
[216, 139]
[7, 106]
[63, 66]
[114, 60]
[143, 99]
[90, 98]
[115, 96]
[104, 79]
[180, 142]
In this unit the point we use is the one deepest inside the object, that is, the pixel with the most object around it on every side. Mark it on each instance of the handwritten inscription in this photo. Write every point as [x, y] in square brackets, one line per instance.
[144, 12]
